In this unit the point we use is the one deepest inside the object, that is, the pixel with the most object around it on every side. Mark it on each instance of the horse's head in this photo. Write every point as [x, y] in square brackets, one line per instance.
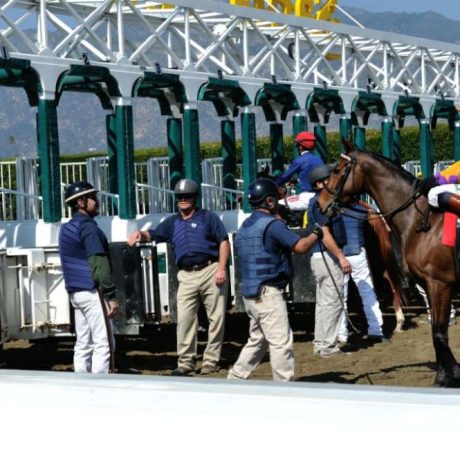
[345, 182]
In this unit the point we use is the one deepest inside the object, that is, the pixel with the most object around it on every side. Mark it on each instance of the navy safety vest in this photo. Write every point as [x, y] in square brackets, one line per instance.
[191, 237]
[257, 265]
[336, 225]
[354, 229]
[75, 265]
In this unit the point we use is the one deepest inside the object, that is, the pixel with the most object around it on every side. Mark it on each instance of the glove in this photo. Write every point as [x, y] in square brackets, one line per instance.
[318, 231]
[425, 185]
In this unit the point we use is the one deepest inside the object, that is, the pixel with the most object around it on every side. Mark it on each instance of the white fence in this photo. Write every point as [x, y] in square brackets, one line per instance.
[20, 198]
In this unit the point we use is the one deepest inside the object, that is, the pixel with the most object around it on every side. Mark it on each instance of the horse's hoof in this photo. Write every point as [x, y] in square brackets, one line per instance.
[399, 326]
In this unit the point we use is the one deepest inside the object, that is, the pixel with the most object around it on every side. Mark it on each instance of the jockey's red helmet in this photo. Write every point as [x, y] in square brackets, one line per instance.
[306, 139]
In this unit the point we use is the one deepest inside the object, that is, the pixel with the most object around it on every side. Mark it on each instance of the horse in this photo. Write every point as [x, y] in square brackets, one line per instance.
[418, 230]
[383, 262]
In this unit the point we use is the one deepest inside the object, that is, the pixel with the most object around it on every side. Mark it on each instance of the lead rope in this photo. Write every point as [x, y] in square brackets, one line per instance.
[340, 294]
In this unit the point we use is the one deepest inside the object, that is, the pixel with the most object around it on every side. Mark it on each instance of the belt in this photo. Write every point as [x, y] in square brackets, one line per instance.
[197, 268]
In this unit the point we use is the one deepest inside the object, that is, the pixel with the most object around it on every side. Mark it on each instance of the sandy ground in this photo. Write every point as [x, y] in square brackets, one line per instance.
[407, 360]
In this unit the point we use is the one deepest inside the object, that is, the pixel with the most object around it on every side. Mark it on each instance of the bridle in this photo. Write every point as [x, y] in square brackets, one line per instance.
[334, 205]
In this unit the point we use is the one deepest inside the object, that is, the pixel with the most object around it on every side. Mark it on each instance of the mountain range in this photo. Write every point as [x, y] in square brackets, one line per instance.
[82, 120]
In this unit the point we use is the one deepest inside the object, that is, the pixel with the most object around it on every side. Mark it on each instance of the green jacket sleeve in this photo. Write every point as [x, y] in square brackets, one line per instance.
[102, 274]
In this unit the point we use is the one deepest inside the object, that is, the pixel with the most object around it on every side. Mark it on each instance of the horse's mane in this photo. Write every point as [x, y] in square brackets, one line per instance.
[393, 166]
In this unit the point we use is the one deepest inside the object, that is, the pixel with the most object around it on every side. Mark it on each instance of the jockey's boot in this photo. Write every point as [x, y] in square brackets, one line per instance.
[448, 201]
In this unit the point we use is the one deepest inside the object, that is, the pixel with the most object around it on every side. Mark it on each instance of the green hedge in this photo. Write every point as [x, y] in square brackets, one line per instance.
[442, 144]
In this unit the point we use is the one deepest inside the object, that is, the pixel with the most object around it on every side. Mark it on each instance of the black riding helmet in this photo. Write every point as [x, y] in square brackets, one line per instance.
[186, 187]
[261, 189]
[78, 190]
[321, 172]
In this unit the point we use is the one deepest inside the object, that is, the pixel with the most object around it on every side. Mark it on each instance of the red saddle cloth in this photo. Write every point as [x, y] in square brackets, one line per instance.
[449, 233]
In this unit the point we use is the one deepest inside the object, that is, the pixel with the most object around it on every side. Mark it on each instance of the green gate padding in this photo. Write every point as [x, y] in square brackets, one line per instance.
[387, 139]
[276, 139]
[48, 153]
[321, 145]
[228, 149]
[125, 161]
[426, 149]
[456, 141]
[345, 128]
[192, 145]
[299, 124]
[248, 140]
[397, 145]
[110, 123]
[360, 137]
[175, 152]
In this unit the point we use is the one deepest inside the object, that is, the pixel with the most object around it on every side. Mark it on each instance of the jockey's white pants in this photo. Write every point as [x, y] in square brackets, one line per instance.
[298, 202]
[435, 191]
[92, 350]
[422, 292]
[361, 275]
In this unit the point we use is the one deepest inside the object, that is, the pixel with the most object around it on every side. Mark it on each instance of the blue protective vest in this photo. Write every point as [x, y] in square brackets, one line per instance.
[257, 265]
[75, 266]
[354, 229]
[191, 237]
[336, 225]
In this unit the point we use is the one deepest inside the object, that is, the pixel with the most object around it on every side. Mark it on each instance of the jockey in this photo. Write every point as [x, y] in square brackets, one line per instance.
[443, 189]
[301, 167]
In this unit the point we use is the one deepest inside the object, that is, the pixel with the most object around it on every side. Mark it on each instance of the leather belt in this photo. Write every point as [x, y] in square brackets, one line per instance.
[197, 268]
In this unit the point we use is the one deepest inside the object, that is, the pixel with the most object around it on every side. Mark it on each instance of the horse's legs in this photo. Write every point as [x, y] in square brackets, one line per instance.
[396, 304]
[439, 296]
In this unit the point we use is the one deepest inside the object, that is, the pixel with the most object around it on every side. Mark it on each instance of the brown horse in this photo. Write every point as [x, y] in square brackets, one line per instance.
[384, 264]
[424, 258]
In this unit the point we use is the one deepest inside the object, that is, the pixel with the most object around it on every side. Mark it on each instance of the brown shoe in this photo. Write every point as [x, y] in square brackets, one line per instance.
[182, 372]
[209, 369]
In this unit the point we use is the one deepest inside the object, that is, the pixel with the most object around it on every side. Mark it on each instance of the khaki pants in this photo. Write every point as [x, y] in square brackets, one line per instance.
[195, 288]
[328, 309]
[269, 329]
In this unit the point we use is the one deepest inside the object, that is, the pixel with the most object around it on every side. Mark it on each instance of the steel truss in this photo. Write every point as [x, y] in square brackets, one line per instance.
[203, 37]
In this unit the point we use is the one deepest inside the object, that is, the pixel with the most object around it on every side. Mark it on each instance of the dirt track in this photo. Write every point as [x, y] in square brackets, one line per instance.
[407, 360]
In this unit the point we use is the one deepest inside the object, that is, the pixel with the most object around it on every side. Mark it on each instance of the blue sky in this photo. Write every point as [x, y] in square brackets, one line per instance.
[448, 8]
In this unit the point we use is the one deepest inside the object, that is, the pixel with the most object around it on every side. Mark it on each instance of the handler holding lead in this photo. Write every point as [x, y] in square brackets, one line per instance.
[264, 243]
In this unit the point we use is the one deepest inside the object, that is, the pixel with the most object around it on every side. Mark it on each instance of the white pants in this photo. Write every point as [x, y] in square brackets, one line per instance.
[298, 202]
[435, 191]
[422, 292]
[269, 329]
[92, 349]
[361, 275]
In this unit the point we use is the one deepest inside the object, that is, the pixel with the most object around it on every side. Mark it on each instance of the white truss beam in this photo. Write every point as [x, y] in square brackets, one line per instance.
[203, 37]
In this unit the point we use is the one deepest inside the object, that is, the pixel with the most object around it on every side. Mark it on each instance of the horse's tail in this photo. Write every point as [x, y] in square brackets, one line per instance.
[392, 267]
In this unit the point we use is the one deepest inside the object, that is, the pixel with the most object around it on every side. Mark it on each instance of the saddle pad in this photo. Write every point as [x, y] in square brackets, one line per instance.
[449, 229]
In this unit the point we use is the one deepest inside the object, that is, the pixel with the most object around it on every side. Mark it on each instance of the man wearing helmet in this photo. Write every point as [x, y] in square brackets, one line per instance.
[301, 166]
[201, 251]
[263, 246]
[328, 268]
[84, 253]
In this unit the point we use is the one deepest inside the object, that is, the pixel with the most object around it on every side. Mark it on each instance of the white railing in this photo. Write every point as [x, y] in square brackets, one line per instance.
[10, 208]
[217, 198]
[160, 200]
[20, 200]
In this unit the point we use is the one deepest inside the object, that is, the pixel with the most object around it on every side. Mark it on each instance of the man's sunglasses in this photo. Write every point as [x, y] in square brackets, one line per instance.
[184, 197]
